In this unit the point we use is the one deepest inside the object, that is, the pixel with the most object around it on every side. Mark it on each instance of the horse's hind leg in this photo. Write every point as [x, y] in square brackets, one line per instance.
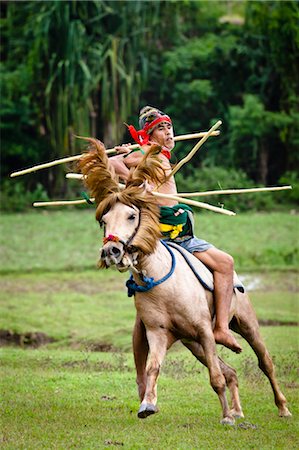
[247, 326]
[229, 373]
[217, 380]
[231, 379]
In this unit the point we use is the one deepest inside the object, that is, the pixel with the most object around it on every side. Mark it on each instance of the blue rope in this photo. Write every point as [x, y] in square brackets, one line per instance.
[149, 281]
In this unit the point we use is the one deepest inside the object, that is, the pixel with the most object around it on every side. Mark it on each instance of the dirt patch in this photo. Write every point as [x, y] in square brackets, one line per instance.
[271, 281]
[78, 286]
[31, 339]
[113, 443]
[247, 426]
[292, 385]
[104, 347]
[119, 364]
[277, 323]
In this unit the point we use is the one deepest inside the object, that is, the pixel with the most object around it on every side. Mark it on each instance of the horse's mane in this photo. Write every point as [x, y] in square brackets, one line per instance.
[149, 169]
[102, 183]
[99, 175]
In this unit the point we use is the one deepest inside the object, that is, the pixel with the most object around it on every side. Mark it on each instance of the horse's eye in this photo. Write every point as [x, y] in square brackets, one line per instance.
[101, 223]
[132, 217]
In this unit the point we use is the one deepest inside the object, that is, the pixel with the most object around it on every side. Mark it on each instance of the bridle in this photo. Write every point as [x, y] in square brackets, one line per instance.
[126, 244]
[148, 282]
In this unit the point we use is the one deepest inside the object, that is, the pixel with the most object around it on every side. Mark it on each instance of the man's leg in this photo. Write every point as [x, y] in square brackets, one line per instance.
[140, 349]
[222, 266]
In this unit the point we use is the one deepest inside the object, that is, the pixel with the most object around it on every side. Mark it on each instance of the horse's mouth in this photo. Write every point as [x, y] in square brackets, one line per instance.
[121, 267]
[110, 256]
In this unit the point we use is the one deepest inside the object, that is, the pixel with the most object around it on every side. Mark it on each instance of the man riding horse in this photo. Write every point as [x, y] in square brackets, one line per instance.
[171, 304]
[156, 128]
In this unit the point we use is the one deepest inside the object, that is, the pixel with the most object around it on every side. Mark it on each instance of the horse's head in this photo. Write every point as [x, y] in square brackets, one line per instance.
[130, 217]
[121, 224]
[131, 227]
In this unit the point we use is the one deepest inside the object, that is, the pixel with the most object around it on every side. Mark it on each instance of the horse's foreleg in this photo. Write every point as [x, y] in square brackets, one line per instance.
[159, 341]
[217, 379]
[229, 373]
[248, 327]
[140, 348]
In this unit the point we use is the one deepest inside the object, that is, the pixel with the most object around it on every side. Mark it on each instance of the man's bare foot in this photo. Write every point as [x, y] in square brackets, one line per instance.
[227, 339]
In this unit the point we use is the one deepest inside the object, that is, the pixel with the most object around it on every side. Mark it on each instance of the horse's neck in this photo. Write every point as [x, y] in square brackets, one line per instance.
[155, 265]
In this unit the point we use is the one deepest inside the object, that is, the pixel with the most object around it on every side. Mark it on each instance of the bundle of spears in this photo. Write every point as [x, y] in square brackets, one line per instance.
[180, 197]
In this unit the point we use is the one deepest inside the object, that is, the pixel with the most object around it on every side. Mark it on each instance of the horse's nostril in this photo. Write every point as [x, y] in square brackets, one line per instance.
[103, 254]
[115, 251]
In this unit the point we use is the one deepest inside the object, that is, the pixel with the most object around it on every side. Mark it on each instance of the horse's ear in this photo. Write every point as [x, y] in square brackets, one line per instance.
[99, 175]
[149, 169]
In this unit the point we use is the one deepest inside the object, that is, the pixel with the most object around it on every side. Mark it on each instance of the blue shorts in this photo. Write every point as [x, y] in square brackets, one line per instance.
[193, 244]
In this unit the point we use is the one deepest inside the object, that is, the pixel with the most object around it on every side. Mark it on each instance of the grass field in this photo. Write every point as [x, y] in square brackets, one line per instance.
[69, 240]
[67, 394]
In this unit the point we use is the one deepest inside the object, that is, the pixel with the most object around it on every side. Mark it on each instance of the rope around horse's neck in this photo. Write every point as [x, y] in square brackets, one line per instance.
[149, 282]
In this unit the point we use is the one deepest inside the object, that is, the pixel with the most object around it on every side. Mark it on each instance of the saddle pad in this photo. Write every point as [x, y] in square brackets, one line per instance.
[204, 275]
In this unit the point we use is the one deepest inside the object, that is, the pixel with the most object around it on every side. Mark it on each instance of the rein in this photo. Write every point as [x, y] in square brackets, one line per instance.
[149, 281]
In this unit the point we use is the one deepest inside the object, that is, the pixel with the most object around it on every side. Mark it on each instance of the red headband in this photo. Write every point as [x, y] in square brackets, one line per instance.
[142, 136]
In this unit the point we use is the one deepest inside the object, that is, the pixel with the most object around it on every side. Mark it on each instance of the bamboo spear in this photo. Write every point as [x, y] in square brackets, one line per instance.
[108, 151]
[61, 203]
[156, 194]
[80, 176]
[230, 191]
[195, 203]
[195, 148]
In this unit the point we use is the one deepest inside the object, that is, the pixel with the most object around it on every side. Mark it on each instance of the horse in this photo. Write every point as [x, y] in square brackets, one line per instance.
[169, 299]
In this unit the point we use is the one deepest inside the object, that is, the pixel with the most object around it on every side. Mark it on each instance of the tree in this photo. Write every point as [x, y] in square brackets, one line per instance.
[272, 33]
[252, 127]
[85, 64]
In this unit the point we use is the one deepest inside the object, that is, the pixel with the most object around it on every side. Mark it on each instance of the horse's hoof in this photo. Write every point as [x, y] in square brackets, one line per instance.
[236, 414]
[284, 412]
[229, 420]
[147, 409]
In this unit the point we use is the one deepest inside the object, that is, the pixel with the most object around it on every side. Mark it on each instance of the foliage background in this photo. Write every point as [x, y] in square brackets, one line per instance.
[84, 68]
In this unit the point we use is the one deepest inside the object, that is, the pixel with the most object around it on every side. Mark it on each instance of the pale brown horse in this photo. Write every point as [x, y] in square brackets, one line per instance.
[178, 308]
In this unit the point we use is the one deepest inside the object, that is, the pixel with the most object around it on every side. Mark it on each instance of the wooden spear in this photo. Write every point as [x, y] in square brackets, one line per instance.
[195, 148]
[61, 203]
[231, 191]
[79, 176]
[156, 194]
[109, 151]
[76, 176]
[195, 203]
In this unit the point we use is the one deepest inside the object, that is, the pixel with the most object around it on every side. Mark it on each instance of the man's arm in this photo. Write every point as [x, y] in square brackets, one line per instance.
[123, 163]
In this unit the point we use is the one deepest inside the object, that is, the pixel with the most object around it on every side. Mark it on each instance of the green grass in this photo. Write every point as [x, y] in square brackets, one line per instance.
[58, 397]
[75, 309]
[91, 308]
[64, 395]
[71, 399]
[69, 240]
[256, 241]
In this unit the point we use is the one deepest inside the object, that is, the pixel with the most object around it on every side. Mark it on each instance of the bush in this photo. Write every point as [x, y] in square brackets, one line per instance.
[15, 196]
[290, 178]
[215, 178]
